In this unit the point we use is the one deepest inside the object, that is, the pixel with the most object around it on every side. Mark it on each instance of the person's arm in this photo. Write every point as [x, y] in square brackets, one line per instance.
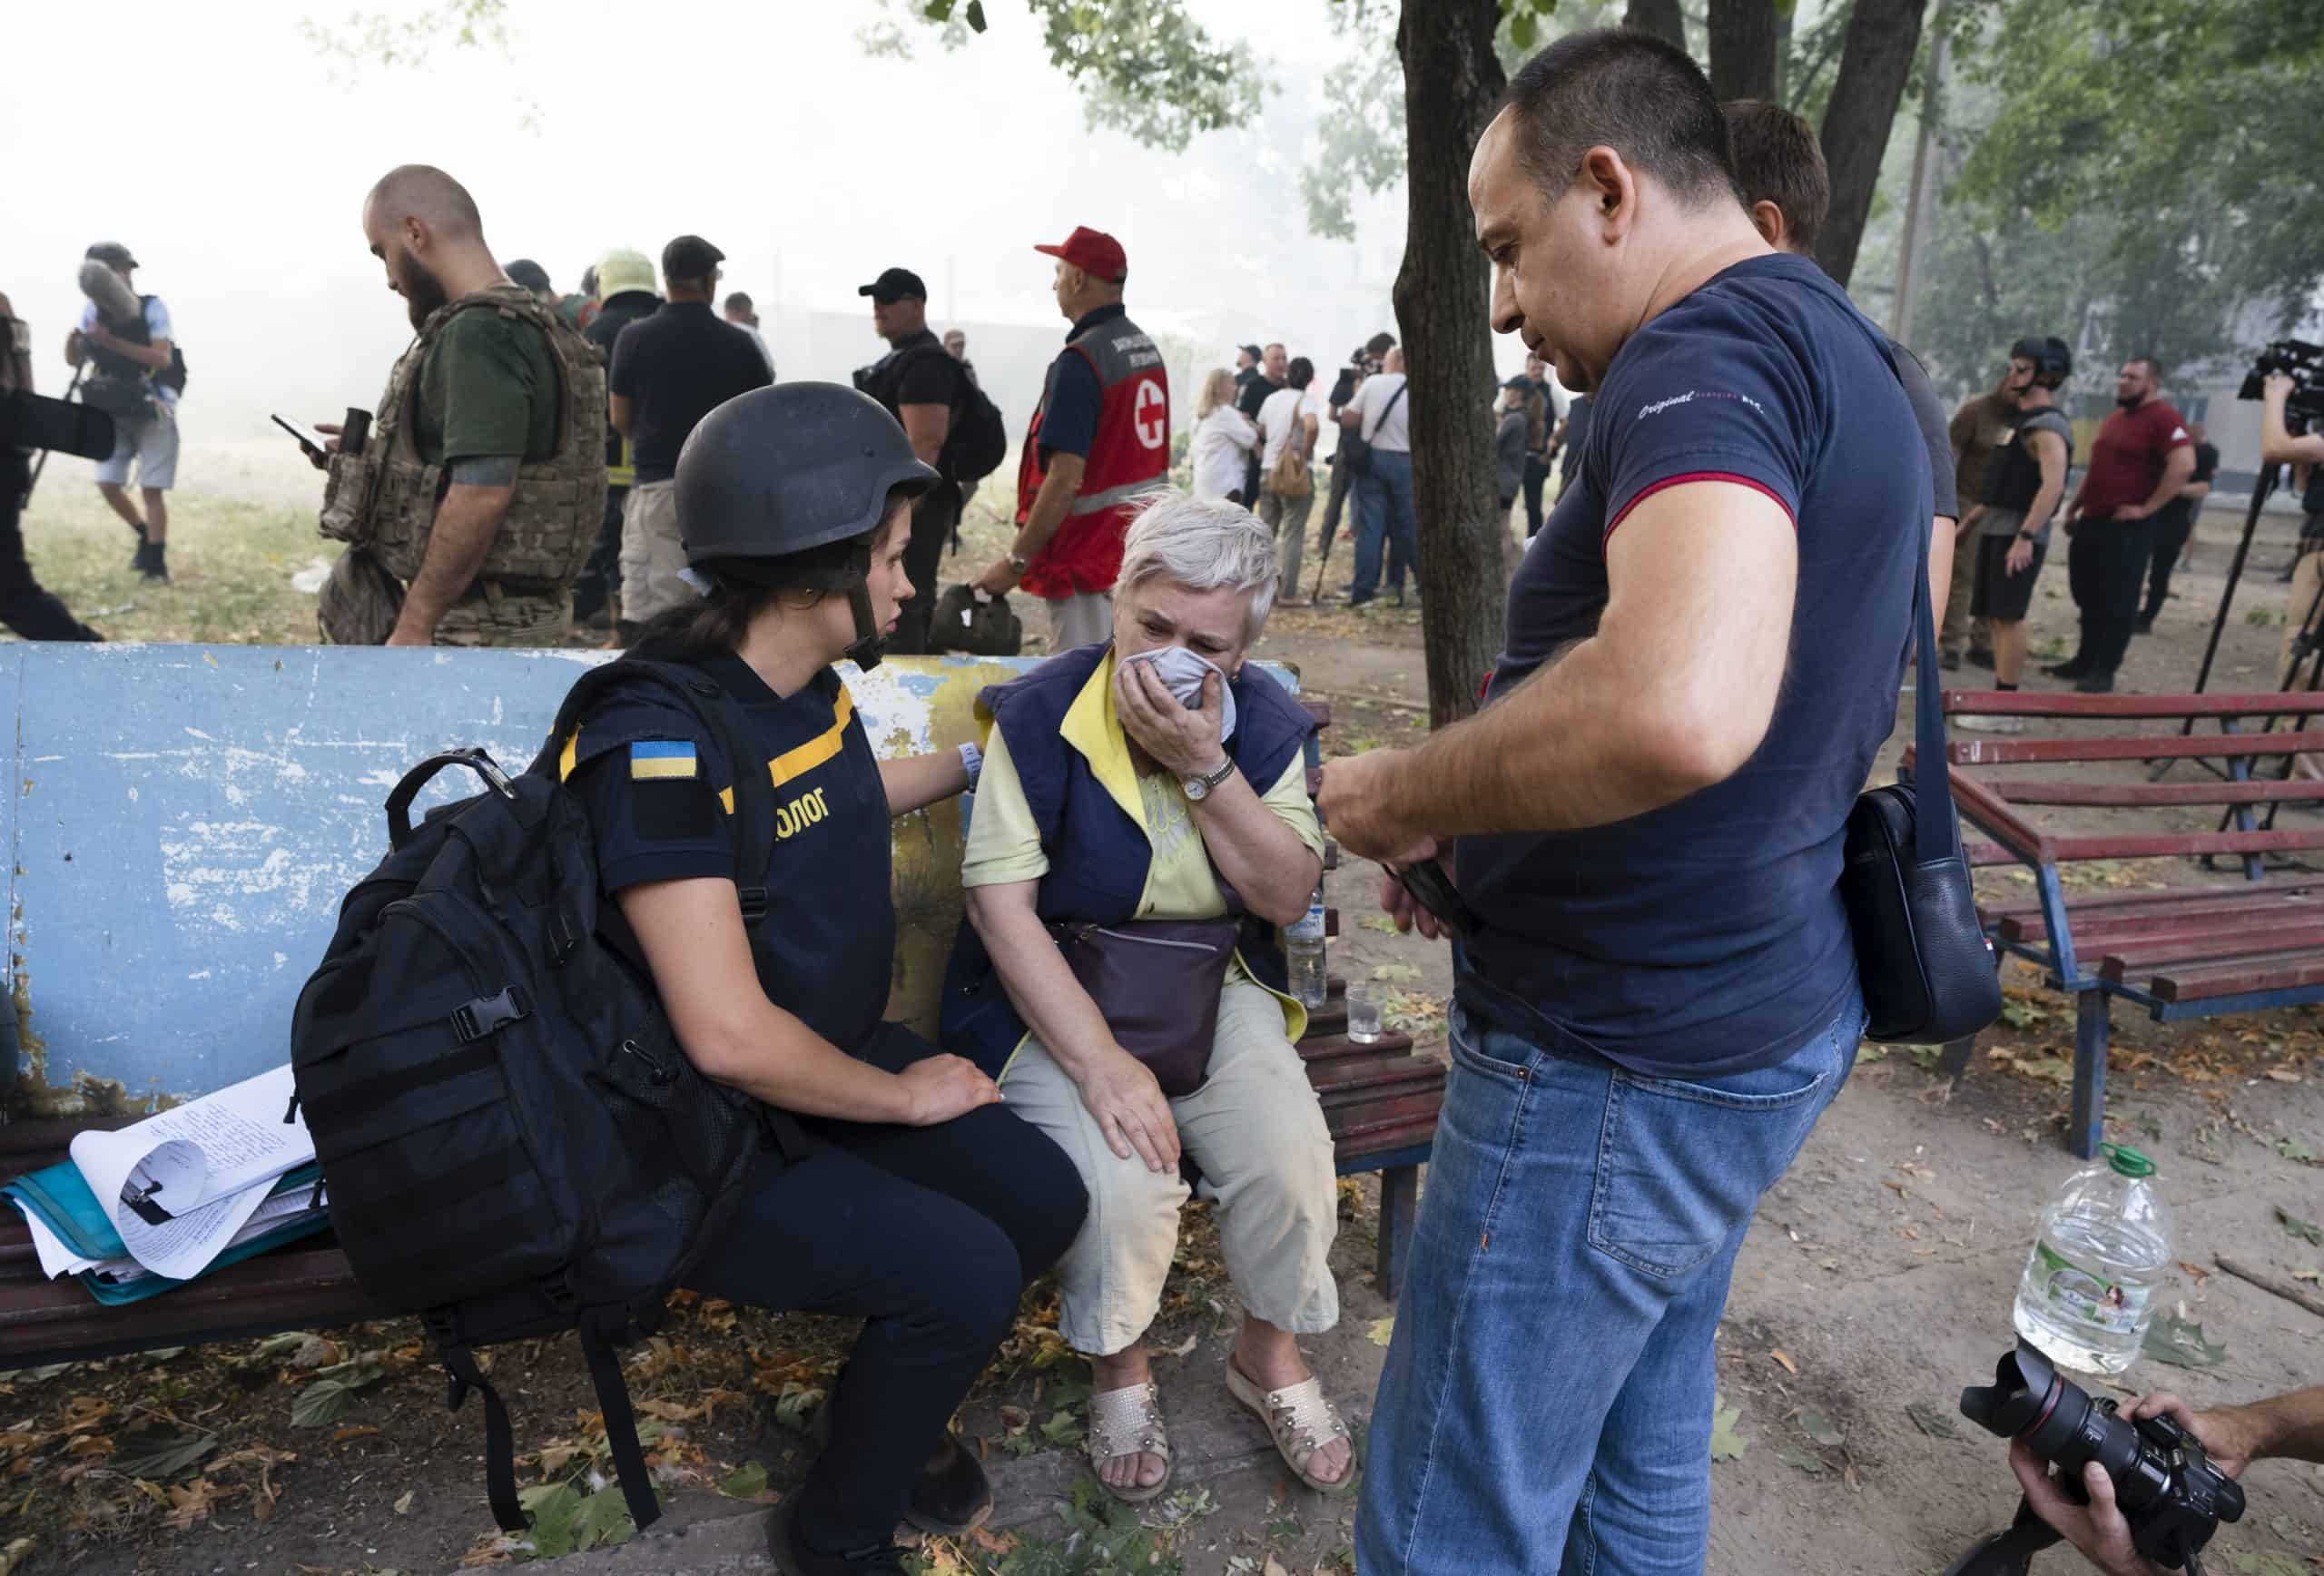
[457, 545]
[76, 348]
[1304, 434]
[1119, 1090]
[1671, 695]
[1243, 431]
[154, 357]
[1262, 859]
[1940, 568]
[700, 956]
[927, 426]
[1060, 487]
[2277, 444]
[621, 412]
[2050, 450]
[916, 781]
[2177, 466]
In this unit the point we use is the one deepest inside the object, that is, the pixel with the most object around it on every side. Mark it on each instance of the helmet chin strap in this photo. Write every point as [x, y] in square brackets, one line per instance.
[865, 653]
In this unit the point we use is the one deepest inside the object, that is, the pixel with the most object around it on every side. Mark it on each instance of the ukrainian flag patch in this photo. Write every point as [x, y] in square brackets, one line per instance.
[662, 760]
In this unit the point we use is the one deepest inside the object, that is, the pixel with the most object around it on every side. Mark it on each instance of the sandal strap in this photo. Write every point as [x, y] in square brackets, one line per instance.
[1128, 1421]
[1300, 1411]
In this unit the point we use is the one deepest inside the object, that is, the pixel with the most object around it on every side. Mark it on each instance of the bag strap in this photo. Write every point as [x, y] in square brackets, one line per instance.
[1935, 836]
[1384, 408]
[499, 1438]
[621, 1427]
[754, 792]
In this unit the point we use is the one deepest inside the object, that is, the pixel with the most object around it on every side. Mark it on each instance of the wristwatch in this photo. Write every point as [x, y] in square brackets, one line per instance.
[1197, 789]
[2029, 535]
[1018, 562]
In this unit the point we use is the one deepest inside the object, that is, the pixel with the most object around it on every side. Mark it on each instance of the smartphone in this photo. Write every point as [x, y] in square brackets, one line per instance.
[308, 441]
[1433, 889]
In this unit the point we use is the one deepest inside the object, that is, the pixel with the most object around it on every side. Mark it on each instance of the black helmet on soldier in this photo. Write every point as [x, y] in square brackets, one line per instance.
[2052, 358]
[778, 488]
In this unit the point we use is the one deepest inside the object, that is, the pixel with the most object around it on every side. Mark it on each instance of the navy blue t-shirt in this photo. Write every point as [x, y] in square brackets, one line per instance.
[651, 783]
[1707, 938]
[675, 368]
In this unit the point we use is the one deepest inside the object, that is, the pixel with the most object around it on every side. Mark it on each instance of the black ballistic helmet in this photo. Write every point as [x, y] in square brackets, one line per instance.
[778, 473]
[2052, 358]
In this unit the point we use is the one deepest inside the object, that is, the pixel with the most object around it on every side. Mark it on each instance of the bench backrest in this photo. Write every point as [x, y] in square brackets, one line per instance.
[2235, 744]
[182, 820]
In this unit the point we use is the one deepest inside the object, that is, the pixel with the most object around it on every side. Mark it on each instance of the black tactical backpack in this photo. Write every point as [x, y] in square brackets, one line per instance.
[513, 1143]
[978, 440]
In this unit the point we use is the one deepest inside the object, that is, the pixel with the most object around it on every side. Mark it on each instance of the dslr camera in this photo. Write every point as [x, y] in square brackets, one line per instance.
[29, 420]
[2300, 361]
[2169, 1492]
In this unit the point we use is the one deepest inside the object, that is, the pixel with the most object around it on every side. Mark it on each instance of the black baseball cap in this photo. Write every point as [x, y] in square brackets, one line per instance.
[1253, 351]
[111, 253]
[1519, 381]
[893, 285]
[690, 257]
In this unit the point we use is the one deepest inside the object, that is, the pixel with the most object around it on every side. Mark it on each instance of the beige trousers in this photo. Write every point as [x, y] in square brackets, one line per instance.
[651, 553]
[1257, 1133]
[1084, 619]
[1287, 519]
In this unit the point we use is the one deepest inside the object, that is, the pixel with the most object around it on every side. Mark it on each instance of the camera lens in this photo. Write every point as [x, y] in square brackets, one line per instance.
[2020, 1395]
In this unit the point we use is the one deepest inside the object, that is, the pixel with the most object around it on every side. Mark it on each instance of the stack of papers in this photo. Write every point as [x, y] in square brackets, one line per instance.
[137, 1211]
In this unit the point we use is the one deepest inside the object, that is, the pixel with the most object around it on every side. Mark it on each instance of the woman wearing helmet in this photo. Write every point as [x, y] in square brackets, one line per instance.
[906, 1196]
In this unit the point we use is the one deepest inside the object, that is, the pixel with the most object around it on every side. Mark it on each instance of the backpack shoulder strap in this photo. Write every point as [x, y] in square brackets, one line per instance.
[722, 717]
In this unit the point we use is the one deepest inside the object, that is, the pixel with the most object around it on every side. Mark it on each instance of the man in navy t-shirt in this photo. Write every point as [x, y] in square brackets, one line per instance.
[1660, 997]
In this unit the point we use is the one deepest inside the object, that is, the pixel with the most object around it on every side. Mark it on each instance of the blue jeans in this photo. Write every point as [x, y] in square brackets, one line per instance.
[1383, 504]
[1547, 1400]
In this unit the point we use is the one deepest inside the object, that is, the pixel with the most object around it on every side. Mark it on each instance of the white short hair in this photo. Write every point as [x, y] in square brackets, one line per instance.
[1204, 546]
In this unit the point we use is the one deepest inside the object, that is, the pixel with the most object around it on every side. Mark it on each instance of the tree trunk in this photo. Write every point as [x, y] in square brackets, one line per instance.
[1874, 63]
[1659, 17]
[1743, 49]
[1453, 81]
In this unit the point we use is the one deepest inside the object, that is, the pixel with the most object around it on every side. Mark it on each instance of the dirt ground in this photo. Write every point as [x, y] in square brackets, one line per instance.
[1875, 1284]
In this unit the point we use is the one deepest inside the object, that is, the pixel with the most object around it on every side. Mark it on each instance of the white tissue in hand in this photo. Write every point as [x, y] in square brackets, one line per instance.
[1182, 672]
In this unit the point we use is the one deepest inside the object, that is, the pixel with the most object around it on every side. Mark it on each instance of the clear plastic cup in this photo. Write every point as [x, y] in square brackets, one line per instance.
[1363, 1002]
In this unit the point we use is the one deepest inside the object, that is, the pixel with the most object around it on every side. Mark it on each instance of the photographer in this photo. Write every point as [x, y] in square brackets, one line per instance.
[137, 380]
[2289, 1427]
[24, 607]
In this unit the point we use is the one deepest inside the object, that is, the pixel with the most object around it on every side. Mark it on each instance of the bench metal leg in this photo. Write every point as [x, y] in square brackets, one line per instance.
[2085, 1126]
[1399, 1204]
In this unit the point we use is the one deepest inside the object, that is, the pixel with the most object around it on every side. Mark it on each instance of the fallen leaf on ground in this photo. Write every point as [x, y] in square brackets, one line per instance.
[1380, 922]
[2283, 1075]
[159, 1452]
[403, 1503]
[1930, 1421]
[1806, 1461]
[18, 1551]
[1381, 1329]
[1789, 1366]
[2181, 1344]
[1821, 1429]
[2306, 1230]
[1726, 1443]
[747, 1482]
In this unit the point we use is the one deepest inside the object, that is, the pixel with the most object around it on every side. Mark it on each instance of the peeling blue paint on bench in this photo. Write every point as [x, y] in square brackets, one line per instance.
[182, 822]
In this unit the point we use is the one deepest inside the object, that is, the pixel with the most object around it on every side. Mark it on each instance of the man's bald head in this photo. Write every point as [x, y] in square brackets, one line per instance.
[424, 227]
[424, 192]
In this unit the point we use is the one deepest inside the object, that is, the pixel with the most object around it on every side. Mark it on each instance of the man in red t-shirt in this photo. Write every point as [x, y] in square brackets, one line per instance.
[2142, 456]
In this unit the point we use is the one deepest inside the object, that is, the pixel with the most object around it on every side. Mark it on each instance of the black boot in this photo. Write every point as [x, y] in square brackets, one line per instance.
[793, 1557]
[153, 562]
[2095, 683]
[949, 1500]
[2075, 668]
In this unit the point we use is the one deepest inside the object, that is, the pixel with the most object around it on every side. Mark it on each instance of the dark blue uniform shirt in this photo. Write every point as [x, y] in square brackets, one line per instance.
[1707, 938]
[675, 368]
[651, 781]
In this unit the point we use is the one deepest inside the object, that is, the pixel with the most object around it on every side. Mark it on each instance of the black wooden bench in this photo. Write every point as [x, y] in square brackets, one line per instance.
[1380, 1101]
[2201, 950]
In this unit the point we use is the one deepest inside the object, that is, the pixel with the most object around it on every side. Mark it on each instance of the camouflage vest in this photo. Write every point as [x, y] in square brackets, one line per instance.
[385, 498]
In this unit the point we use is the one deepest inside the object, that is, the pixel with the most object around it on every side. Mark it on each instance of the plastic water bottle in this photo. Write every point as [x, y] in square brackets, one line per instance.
[2089, 1287]
[1303, 948]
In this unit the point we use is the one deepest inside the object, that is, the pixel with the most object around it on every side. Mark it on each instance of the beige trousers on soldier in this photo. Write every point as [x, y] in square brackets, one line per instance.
[1084, 619]
[651, 553]
[1256, 1132]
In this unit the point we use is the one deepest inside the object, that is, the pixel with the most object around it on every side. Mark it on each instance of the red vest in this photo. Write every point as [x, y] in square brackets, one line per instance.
[1129, 457]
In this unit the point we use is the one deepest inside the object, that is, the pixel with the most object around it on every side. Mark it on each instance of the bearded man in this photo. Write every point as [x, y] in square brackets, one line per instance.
[472, 503]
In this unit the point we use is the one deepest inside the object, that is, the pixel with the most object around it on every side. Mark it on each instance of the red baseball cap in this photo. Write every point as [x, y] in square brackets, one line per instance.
[1092, 251]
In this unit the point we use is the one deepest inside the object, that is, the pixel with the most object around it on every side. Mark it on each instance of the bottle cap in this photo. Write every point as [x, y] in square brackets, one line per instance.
[2127, 1161]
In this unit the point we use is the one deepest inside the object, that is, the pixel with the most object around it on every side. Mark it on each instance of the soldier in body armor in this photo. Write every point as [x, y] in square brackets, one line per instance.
[473, 502]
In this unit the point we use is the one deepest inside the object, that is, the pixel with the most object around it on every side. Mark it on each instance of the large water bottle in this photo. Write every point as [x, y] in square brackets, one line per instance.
[1302, 949]
[2089, 1286]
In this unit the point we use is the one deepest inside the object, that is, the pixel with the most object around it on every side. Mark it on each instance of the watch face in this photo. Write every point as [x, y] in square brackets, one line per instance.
[1196, 789]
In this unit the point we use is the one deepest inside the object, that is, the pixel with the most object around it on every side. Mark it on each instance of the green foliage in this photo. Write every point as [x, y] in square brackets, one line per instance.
[1144, 67]
[374, 36]
[2160, 155]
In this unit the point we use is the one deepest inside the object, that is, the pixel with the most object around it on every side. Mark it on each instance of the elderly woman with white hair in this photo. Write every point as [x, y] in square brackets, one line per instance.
[1141, 829]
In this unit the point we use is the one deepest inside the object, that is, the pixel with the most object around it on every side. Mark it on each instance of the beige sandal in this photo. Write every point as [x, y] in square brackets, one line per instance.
[1128, 1422]
[1301, 1422]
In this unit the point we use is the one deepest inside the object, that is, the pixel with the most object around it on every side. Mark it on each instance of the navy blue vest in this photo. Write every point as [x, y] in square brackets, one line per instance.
[1098, 856]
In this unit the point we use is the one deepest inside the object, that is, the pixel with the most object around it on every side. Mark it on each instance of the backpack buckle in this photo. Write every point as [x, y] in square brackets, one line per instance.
[489, 1015]
[753, 903]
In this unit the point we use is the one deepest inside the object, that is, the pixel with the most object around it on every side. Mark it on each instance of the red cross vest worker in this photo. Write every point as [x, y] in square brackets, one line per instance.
[1099, 441]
